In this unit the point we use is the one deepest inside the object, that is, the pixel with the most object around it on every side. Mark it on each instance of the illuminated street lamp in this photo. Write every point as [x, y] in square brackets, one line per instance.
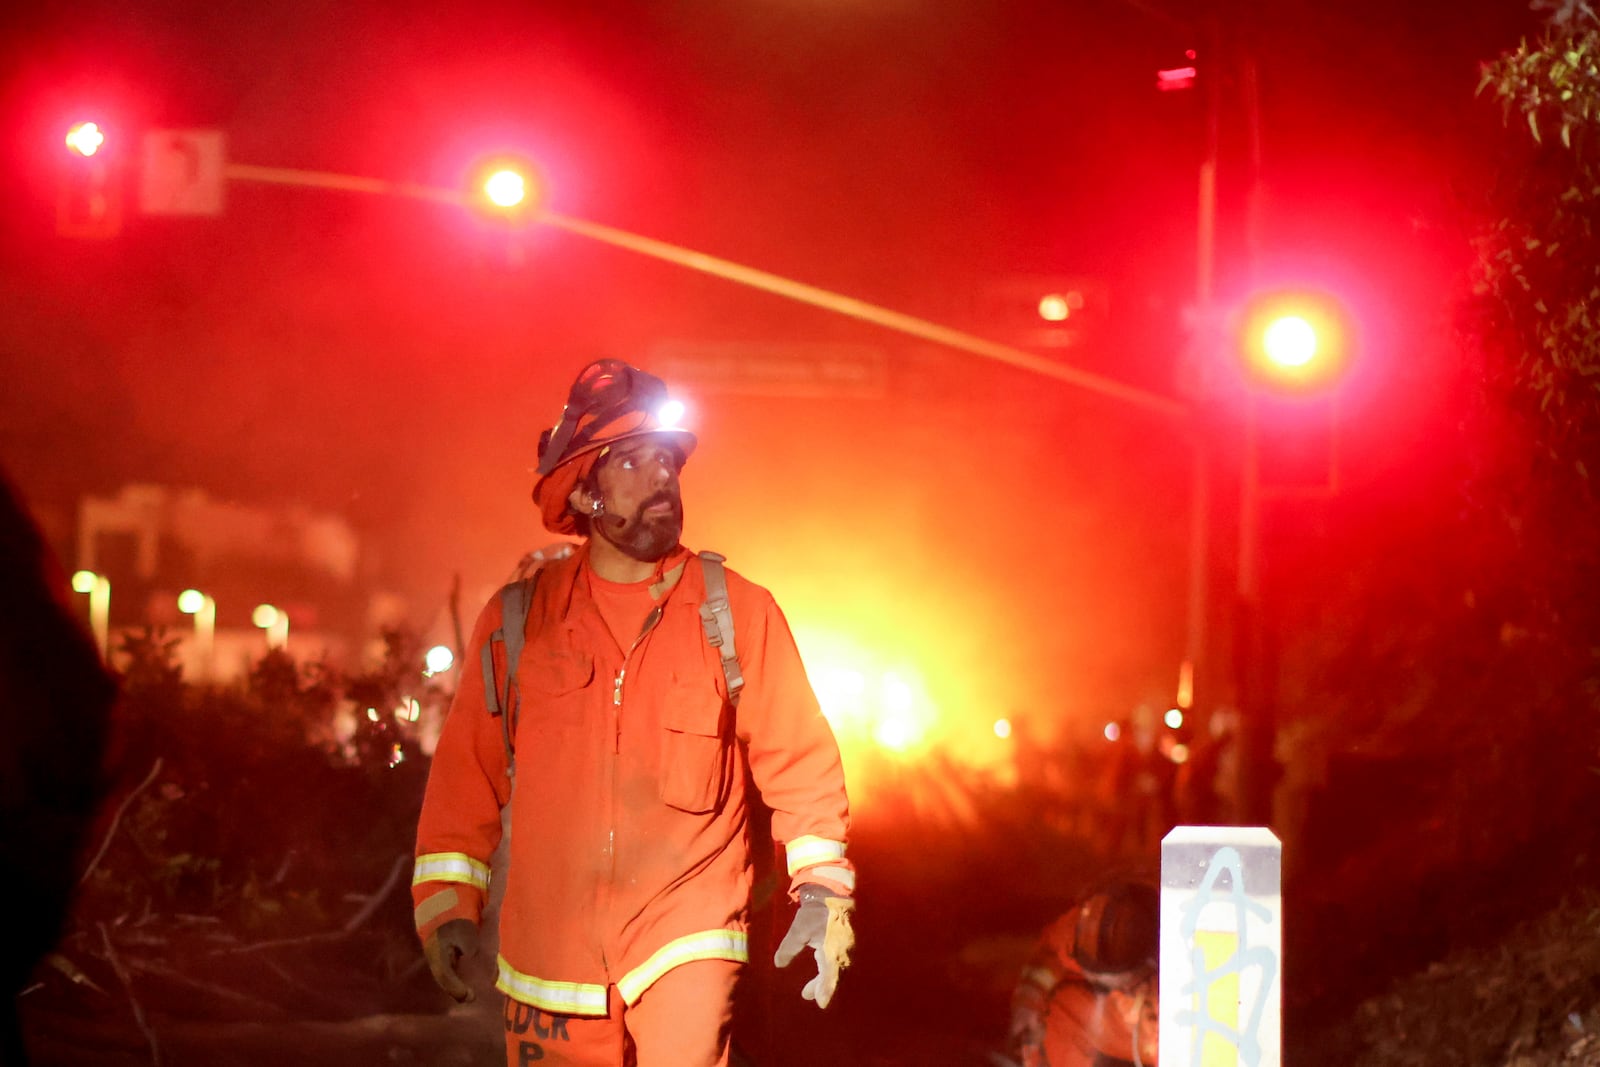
[204, 609]
[98, 586]
[273, 620]
[437, 660]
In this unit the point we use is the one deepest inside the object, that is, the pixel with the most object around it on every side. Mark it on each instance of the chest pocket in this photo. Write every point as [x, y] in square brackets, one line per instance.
[695, 758]
[552, 684]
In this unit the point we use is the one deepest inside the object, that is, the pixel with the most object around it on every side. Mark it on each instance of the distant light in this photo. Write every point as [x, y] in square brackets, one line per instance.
[1173, 718]
[1002, 728]
[896, 731]
[1112, 731]
[840, 693]
[1053, 307]
[372, 713]
[1179, 754]
[85, 138]
[670, 413]
[397, 755]
[191, 601]
[439, 659]
[1290, 341]
[505, 188]
[897, 698]
[265, 616]
[83, 581]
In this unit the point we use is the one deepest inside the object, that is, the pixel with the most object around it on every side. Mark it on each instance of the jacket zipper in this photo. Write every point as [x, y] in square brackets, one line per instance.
[616, 747]
[622, 674]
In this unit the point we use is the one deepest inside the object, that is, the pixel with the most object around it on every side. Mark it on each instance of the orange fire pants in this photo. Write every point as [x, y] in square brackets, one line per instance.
[684, 1020]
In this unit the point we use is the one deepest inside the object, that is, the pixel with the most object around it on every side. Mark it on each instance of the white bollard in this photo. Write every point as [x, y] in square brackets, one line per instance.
[1221, 947]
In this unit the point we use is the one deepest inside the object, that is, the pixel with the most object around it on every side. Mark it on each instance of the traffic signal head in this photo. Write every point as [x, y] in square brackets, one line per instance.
[89, 194]
[1295, 341]
[85, 138]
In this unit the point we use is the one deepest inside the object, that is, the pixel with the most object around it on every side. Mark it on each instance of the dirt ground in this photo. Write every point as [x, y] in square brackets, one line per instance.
[938, 949]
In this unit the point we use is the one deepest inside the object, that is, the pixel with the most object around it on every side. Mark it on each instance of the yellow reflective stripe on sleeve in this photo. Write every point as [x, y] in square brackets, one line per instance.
[559, 998]
[809, 850]
[451, 867]
[733, 945]
[843, 875]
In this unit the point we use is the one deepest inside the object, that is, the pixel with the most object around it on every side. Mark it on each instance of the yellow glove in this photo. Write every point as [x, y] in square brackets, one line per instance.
[444, 949]
[823, 925]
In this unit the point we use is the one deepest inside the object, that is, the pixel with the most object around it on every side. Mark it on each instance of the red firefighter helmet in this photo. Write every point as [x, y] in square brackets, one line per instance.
[609, 402]
[1118, 928]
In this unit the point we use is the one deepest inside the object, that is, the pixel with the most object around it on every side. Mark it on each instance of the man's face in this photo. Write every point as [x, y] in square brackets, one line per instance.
[643, 514]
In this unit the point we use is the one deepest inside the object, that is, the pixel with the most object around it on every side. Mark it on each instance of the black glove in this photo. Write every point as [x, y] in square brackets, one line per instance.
[823, 925]
[445, 948]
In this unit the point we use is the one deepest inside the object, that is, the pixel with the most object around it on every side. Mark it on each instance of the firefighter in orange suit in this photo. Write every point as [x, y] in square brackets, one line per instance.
[1087, 997]
[624, 922]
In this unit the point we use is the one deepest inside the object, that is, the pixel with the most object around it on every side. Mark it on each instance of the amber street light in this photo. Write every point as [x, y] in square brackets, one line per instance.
[204, 609]
[275, 621]
[98, 586]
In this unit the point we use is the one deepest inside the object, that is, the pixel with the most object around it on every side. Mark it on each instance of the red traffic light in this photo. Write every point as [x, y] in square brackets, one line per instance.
[89, 185]
[508, 187]
[1295, 341]
[505, 188]
[85, 138]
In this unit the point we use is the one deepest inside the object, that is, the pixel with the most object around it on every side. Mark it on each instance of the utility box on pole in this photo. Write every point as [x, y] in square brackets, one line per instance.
[1221, 958]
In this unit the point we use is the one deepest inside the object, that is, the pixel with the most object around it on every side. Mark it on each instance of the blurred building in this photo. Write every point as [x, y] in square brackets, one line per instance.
[152, 542]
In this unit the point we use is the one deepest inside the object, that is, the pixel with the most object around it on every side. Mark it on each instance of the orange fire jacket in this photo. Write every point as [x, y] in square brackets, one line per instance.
[630, 854]
[1085, 1021]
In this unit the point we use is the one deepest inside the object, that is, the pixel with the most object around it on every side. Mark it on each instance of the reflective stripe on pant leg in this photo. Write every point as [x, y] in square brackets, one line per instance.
[538, 1037]
[685, 1018]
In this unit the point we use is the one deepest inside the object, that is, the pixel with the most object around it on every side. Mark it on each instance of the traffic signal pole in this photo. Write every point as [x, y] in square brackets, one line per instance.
[1254, 666]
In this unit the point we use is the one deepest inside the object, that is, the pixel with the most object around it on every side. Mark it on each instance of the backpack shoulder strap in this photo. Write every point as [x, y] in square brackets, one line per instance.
[716, 615]
[503, 700]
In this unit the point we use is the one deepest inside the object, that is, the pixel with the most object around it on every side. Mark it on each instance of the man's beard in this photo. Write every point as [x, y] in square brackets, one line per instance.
[646, 538]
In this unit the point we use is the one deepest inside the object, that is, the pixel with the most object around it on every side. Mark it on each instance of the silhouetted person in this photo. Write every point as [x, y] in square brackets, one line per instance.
[1115, 787]
[1204, 781]
[55, 699]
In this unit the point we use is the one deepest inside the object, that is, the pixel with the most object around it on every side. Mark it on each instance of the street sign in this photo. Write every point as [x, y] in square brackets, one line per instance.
[1221, 975]
[183, 172]
[770, 368]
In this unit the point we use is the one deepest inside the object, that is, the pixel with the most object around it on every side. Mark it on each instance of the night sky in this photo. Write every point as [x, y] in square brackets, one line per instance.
[394, 360]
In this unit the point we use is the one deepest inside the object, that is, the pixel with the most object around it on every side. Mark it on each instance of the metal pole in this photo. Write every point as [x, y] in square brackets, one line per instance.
[1257, 690]
[1191, 676]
